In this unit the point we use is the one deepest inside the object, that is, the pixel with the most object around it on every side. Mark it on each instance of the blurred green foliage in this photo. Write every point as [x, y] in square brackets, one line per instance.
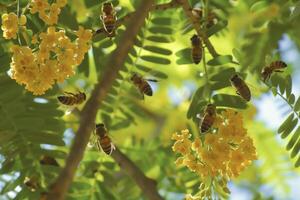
[246, 36]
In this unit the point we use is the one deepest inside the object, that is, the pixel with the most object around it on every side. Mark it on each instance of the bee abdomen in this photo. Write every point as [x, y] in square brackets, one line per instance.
[146, 89]
[106, 145]
[66, 100]
[244, 92]
[196, 55]
[206, 124]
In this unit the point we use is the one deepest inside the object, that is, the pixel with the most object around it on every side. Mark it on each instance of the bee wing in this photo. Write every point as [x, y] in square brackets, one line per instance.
[199, 116]
[113, 147]
[152, 80]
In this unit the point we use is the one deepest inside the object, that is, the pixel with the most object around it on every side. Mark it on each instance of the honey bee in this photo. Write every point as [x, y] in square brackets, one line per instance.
[47, 160]
[142, 84]
[196, 49]
[275, 66]
[241, 87]
[208, 118]
[31, 183]
[108, 18]
[71, 98]
[103, 141]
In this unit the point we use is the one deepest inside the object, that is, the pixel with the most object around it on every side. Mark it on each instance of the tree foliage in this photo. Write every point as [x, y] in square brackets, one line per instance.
[242, 38]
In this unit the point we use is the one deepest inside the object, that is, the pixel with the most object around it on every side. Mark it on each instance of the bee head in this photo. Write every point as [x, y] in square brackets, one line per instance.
[234, 77]
[100, 125]
[107, 7]
[194, 37]
[211, 108]
[83, 95]
[134, 76]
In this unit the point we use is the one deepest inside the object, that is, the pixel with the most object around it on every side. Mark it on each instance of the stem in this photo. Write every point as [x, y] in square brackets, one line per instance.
[206, 74]
[101, 89]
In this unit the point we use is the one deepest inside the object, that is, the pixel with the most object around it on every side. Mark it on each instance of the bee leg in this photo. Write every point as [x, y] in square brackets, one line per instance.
[237, 92]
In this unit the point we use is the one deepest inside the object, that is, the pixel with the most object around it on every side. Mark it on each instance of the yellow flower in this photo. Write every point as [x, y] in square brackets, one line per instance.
[211, 139]
[196, 144]
[61, 3]
[22, 20]
[224, 154]
[9, 25]
[84, 34]
[38, 6]
[34, 39]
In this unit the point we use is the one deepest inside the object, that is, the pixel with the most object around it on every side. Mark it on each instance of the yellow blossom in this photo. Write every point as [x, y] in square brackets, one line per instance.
[224, 154]
[9, 25]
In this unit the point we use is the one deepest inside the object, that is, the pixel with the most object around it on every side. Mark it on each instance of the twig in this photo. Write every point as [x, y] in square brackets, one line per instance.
[59, 189]
[164, 6]
[188, 11]
[147, 185]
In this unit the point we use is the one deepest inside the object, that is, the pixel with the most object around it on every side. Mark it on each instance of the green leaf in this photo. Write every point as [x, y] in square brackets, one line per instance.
[223, 75]
[293, 139]
[220, 60]
[217, 28]
[156, 60]
[197, 103]
[297, 164]
[230, 101]
[259, 5]
[288, 86]
[291, 99]
[237, 54]
[290, 128]
[160, 39]
[162, 20]
[161, 30]
[184, 56]
[296, 149]
[297, 104]
[286, 123]
[158, 50]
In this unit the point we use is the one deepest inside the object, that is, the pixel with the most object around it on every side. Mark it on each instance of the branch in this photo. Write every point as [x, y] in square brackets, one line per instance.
[121, 21]
[147, 185]
[188, 11]
[59, 189]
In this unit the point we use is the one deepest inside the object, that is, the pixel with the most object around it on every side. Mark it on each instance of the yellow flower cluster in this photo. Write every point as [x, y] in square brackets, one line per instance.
[53, 61]
[10, 24]
[47, 12]
[224, 152]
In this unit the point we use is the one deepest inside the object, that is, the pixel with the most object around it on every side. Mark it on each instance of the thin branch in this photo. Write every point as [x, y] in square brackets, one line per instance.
[59, 189]
[147, 185]
[121, 21]
[188, 11]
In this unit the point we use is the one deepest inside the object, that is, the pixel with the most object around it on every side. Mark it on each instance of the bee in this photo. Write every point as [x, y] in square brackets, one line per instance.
[71, 98]
[208, 118]
[47, 160]
[142, 84]
[196, 49]
[103, 141]
[275, 66]
[31, 183]
[108, 18]
[241, 87]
